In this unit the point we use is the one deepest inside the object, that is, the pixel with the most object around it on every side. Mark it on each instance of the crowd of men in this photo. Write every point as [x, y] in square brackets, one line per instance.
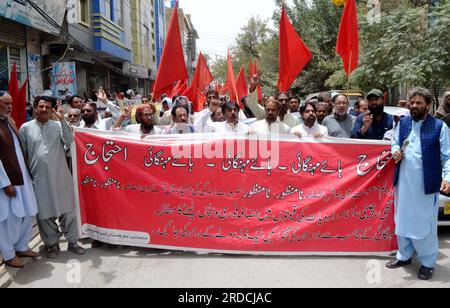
[35, 179]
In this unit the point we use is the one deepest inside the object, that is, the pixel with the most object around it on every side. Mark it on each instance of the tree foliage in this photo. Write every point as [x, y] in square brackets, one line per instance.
[408, 45]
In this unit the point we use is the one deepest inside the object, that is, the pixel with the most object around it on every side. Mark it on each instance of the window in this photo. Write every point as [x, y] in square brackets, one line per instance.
[108, 9]
[146, 35]
[4, 70]
[119, 13]
[84, 12]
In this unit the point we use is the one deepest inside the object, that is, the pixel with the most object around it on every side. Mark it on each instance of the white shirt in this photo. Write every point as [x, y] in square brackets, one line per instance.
[263, 127]
[136, 129]
[305, 131]
[224, 127]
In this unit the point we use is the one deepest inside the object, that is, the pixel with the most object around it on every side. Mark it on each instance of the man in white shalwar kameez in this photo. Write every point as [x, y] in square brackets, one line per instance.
[231, 124]
[421, 148]
[17, 199]
[44, 141]
[271, 125]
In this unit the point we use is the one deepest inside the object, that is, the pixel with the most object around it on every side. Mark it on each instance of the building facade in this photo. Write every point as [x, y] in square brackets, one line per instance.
[23, 33]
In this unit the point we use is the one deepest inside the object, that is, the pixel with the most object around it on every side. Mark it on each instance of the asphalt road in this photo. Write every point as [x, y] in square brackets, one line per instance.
[125, 267]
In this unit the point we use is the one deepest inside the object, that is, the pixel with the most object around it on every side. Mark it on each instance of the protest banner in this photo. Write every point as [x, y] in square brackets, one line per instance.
[236, 194]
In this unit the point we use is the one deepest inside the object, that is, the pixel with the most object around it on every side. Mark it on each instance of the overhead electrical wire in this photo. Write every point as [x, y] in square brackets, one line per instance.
[73, 41]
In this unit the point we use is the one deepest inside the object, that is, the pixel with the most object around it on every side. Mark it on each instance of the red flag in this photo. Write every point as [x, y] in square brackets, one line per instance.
[20, 106]
[197, 98]
[231, 81]
[173, 66]
[13, 86]
[19, 98]
[202, 79]
[241, 85]
[348, 39]
[179, 89]
[294, 54]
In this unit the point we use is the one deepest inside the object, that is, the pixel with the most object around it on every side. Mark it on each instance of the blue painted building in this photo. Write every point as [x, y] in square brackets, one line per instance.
[160, 29]
[109, 20]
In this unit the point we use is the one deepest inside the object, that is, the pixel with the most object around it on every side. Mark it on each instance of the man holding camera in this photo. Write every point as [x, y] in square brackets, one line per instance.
[44, 141]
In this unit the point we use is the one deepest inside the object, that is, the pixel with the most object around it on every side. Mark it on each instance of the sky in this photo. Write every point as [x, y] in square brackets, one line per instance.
[219, 21]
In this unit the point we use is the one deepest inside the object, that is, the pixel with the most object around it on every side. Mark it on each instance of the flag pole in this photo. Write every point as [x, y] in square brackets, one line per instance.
[349, 73]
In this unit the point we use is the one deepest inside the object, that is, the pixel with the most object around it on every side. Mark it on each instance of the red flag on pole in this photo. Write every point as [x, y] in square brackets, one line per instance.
[348, 39]
[241, 85]
[19, 98]
[13, 86]
[202, 79]
[231, 81]
[173, 66]
[20, 106]
[179, 89]
[294, 54]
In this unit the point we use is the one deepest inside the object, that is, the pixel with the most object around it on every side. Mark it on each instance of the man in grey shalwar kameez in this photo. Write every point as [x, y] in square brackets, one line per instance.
[44, 142]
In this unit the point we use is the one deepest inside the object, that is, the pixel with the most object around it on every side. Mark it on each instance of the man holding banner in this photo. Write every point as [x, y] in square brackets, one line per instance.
[421, 149]
[44, 141]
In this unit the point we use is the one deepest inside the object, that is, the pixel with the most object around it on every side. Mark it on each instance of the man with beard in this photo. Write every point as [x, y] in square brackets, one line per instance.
[17, 199]
[374, 124]
[144, 118]
[259, 112]
[90, 118]
[322, 112]
[421, 150]
[309, 128]
[44, 141]
[340, 124]
[231, 124]
[271, 124]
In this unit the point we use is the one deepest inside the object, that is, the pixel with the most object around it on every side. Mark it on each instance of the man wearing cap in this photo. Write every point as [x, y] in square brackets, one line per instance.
[144, 118]
[375, 122]
[443, 113]
[271, 124]
[18, 203]
[44, 141]
[421, 149]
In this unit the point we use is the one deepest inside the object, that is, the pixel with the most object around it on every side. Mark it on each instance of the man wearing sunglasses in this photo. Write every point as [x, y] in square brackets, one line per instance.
[18, 203]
